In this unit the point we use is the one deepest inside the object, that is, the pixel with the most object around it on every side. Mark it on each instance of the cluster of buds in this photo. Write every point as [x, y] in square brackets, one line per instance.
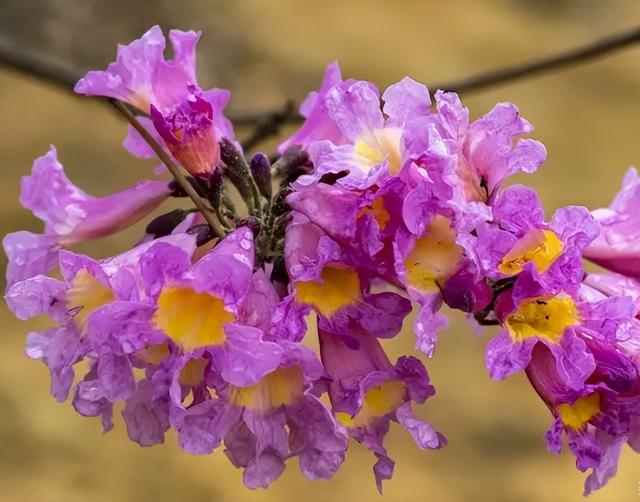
[377, 203]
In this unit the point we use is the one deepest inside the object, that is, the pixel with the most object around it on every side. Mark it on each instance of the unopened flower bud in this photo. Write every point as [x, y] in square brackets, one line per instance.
[261, 172]
[202, 232]
[165, 223]
[236, 167]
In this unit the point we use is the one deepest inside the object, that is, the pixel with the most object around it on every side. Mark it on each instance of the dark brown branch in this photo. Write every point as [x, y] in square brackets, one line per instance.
[268, 123]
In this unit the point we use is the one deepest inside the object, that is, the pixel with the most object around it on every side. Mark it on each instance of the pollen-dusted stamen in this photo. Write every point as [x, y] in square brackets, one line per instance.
[541, 247]
[191, 319]
[279, 388]
[546, 318]
[340, 287]
[435, 256]
[378, 145]
[87, 294]
[576, 415]
[378, 402]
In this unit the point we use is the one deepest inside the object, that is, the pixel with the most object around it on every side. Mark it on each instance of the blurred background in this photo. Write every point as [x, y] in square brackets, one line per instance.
[266, 51]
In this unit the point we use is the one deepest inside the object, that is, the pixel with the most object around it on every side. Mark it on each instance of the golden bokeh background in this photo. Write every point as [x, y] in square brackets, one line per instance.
[266, 51]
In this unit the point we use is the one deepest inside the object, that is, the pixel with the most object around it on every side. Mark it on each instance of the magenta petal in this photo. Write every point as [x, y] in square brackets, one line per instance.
[245, 358]
[201, 427]
[355, 108]
[574, 361]
[146, 417]
[423, 434]
[405, 100]
[29, 255]
[35, 296]
[504, 357]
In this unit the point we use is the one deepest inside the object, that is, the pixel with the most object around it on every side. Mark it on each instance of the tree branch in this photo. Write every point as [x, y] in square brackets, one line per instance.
[268, 123]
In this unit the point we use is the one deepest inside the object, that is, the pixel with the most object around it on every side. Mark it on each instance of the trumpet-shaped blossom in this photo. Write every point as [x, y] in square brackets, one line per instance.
[518, 236]
[367, 393]
[76, 303]
[141, 76]
[597, 418]
[532, 315]
[71, 216]
[365, 139]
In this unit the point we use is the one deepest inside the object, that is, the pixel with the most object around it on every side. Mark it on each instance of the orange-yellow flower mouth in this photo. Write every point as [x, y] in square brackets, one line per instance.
[546, 318]
[87, 294]
[340, 287]
[191, 319]
[577, 415]
[541, 247]
[434, 258]
[378, 402]
[281, 387]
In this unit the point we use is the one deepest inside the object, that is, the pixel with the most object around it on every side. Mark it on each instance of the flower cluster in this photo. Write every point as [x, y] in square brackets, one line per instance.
[378, 202]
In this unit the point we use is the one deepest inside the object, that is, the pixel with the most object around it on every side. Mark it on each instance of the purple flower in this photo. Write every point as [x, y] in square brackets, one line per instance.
[361, 141]
[199, 308]
[596, 418]
[280, 417]
[617, 248]
[141, 76]
[189, 133]
[71, 216]
[367, 392]
[518, 235]
[484, 152]
[89, 292]
[532, 315]
[424, 264]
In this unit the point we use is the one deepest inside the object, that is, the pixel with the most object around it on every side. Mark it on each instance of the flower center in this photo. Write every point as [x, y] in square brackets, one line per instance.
[378, 402]
[541, 247]
[279, 388]
[340, 287]
[192, 372]
[191, 319]
[378, 145]
[546, 318]
[378, 211]
[85, 295]
[576, 415]
[434, 258]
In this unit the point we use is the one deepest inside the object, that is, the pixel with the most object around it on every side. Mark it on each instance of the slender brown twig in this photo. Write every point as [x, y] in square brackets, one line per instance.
[173, 168]
[268, 122]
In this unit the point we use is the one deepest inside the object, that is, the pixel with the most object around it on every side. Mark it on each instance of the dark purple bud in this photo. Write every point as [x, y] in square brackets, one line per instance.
[462, 292]
[293, 163]
[236, 167]
[261, 172]
[252, 223]
[165, 223]
[279, 272]
[331, 178]
[202, 232]
[199, 185]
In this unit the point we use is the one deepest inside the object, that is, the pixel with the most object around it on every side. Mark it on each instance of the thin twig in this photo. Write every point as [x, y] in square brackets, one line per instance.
[269, 122]
[173, 168]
